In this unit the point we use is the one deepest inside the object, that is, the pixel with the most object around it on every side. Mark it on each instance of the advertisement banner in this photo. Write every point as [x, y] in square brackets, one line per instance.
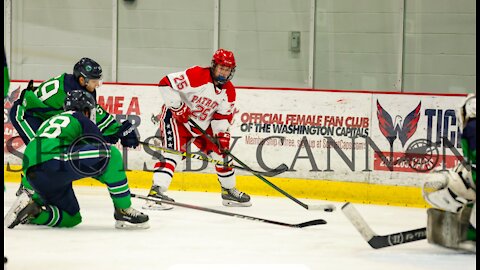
[299, 128]
[392, 139]
[415, 134]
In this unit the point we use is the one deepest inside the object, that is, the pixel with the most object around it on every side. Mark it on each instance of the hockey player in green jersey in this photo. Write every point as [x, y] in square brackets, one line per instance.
[454, 193]
[69, 147]
[35, 105]
[6, 86]
[6, 78]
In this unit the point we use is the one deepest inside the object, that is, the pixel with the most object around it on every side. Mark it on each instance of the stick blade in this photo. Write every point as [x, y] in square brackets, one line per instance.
[358, 222]
[311, 223]
[380, 241]
[279, 170]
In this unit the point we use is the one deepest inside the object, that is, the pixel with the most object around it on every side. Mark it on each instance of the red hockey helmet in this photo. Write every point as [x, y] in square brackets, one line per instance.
[224, 58]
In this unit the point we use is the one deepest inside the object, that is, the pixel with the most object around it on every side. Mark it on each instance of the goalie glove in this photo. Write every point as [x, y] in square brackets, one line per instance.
[450, 190]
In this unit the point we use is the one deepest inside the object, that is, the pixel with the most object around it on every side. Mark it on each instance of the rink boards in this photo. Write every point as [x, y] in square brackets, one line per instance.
[337, 144]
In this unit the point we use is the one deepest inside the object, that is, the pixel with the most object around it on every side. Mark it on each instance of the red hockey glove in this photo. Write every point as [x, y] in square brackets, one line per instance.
[223, 139]
[181, 113]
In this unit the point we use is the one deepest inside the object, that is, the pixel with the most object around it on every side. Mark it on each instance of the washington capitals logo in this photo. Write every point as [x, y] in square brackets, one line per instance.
[12, 97]
[403, 129]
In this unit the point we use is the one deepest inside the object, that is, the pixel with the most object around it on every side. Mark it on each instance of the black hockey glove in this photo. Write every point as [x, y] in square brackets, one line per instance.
[111, 139]
[128, 136]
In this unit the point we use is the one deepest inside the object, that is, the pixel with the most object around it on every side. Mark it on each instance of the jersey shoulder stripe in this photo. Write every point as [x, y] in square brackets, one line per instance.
[198, 76]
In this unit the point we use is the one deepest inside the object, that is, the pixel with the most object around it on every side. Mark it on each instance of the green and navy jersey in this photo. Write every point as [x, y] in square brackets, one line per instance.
[55, 136]
[469, 146]
[47, 100]
[6, 78]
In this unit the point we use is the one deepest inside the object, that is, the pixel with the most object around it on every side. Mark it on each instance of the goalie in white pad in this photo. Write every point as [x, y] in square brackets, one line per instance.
[453, 193]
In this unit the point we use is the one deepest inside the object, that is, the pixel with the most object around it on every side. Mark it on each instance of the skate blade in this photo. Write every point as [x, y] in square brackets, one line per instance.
[156, 206]
[20, 203]
[230, 203]
[124, 225]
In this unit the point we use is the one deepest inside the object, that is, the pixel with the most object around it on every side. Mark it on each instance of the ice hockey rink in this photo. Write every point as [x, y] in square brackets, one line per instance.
[183, 238]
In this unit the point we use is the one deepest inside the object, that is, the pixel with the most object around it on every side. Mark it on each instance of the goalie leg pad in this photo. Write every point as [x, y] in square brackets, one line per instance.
[473, 216]
[445, 200]
[448, 230]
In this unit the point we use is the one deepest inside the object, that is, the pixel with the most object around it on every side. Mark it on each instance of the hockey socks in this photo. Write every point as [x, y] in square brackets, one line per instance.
[53, 217]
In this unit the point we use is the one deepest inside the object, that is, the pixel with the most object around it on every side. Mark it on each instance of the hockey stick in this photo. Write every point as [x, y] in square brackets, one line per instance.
[324, 207]
[299, 225]
[280, 169]
[380, 241]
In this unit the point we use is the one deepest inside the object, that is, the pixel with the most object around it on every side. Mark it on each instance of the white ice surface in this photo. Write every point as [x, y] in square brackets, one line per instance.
[183, 238]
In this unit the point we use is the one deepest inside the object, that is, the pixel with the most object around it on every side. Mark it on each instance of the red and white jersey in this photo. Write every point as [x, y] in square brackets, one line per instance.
[209, 104]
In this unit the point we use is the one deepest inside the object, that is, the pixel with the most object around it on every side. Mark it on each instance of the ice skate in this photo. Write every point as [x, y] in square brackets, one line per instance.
[20, 189]
[235, 198]
[156, 193]
[130, 218]
[22, 210]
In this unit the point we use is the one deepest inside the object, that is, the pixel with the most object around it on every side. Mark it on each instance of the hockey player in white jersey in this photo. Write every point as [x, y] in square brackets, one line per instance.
[206, 96]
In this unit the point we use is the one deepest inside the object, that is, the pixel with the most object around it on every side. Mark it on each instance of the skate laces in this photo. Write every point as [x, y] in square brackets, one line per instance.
[132, 212]
[235, 192]
[156, 191]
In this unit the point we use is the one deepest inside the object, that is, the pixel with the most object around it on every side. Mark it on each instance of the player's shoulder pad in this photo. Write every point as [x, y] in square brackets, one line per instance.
[198, 76]
[63, 75]
[88, 126]
[77, 115]
[230, 91]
